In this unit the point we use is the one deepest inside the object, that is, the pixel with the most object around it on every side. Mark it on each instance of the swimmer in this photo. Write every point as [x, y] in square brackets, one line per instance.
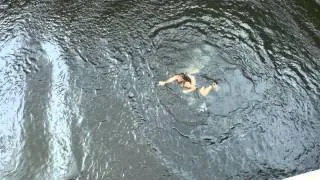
[188, 83]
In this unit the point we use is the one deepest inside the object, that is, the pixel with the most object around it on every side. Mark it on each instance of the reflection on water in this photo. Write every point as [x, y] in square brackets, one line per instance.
[11, 107]
[59, 117]
[79, 95]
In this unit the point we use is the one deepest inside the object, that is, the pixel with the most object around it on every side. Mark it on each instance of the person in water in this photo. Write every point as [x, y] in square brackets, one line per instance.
[188, 83]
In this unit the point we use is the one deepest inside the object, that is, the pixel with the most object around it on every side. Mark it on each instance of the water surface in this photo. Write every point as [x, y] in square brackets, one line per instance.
[80, 100]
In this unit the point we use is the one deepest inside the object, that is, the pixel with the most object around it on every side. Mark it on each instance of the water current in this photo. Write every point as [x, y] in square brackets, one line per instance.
[79, 94]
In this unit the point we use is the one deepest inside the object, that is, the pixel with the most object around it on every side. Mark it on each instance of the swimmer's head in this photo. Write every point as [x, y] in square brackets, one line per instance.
[182, 77]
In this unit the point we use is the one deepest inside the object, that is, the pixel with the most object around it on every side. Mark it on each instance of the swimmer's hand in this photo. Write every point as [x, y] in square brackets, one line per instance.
[162, 83]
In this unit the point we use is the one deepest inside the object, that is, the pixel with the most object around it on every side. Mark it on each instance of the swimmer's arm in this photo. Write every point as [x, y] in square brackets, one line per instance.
[170, 80]
[189, 90]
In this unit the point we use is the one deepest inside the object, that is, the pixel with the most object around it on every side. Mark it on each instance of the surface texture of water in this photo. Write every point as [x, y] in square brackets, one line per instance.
[79, 95]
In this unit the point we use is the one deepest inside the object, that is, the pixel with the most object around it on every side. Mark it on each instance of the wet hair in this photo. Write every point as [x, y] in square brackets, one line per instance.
[185, 77]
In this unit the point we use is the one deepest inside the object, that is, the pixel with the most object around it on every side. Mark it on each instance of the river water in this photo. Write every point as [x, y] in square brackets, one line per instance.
[80, 97]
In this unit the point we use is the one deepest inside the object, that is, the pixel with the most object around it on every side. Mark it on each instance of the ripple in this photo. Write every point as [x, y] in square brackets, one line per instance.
[236, 49]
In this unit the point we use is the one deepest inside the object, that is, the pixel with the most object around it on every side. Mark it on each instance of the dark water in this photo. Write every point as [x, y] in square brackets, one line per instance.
[79, 95]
